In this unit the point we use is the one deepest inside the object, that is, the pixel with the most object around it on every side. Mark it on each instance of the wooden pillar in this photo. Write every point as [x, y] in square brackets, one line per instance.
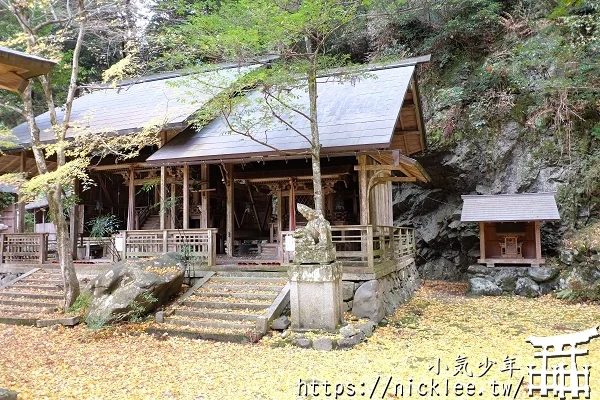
[538, 241]
[163, 197]
[20, 206]
[292, 206]
[482, 241]
[279, 214]
[363, 190]
[186, 196]
[131, 201]
[173, 206]
[205, 196]
[230, 190]
[163, 186]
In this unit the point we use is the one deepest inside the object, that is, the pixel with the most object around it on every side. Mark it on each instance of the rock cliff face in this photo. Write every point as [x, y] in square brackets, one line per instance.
[497, 161]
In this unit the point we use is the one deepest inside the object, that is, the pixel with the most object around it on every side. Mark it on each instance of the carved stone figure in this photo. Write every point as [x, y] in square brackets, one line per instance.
[313, 242]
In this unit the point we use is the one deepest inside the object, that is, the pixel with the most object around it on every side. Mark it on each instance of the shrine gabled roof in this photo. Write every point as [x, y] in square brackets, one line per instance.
[129, 107]
[510, 208]
[352, 116]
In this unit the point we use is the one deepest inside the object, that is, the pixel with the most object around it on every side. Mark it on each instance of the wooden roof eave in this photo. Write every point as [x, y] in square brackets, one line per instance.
[16, 68]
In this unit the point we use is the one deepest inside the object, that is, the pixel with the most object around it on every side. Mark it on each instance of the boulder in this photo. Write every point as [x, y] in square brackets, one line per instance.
[527, 287]
[366, 329]
[368, 302]
[323, 344]
[281, 323]
[347, 290]
[302, 342]
[347, 331]
[483, 287]
[478, 269]
[7, 394]
[134, 288]
[566, 257]
[506, 279]
[349, 342]
[542, 274]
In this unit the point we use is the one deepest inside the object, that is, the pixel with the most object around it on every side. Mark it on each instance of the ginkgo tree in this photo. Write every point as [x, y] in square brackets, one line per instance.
[58, 31]
[297, 32]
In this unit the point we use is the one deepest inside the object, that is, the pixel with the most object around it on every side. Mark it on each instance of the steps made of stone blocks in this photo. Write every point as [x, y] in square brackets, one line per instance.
[226, 308]
[35, 298]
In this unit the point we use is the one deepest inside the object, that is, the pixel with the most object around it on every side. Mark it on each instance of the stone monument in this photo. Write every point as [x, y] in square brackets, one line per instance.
[315, 277]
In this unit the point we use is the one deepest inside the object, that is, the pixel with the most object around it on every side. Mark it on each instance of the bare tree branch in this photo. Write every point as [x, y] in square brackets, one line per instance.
[14, 108]
[286, 123]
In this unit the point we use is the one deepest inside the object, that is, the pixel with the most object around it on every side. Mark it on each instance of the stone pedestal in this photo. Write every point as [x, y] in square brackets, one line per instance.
[316, 299]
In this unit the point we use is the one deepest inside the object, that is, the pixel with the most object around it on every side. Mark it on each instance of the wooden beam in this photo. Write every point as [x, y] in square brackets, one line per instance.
[163, 197]
[363, 191]
[205, 195]
[279, 214]
[380, 167]
[254, 208]
[20, 206]
[186, 196]
[384, 179]
[538, 241]
[229, 228]
[269, 205]
[100, 179]
[294, 173]
[173, 206]
[482, 240]
[131, 201]
[120, 167]
[292, 205]
[414, 86]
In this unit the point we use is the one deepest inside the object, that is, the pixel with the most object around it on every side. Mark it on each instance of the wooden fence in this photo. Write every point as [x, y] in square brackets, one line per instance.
[367, 248]
[23, 248]
[197, 245]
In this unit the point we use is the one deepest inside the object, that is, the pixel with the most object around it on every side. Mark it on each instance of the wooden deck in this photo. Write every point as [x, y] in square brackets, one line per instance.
[512, 261]
[365, 251]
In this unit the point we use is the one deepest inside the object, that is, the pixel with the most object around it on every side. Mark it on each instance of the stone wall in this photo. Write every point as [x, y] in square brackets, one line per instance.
[374, 299]
[523, 281]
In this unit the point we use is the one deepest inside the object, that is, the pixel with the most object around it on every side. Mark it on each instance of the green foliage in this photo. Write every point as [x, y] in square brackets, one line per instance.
[104, 225]
[81, 304]
[6, 200]
[29, 221]
[137, 308]
[96, 322]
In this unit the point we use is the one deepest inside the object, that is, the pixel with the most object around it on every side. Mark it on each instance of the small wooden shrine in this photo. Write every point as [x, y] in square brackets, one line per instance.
[509, 226]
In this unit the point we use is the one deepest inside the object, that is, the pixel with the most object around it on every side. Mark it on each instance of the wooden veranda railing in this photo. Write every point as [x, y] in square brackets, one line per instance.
[366, 248]
[23, 247]
[197, 245]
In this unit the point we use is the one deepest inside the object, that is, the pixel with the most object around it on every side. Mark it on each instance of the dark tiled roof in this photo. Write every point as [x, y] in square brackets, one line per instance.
[510, 207]
[352, 116]
[130, 108]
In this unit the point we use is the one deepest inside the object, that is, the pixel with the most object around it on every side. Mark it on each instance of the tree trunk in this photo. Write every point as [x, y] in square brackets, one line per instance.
[63, 244]
[315, 149]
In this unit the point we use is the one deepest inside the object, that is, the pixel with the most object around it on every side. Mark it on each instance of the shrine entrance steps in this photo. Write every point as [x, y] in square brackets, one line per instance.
[227, 306]
[35, 298]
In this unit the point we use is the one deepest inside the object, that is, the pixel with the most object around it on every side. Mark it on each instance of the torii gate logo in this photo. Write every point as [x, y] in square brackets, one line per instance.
[561, 379]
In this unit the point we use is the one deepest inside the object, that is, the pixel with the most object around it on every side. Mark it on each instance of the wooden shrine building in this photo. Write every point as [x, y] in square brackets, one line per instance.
[223, 197]
[16, 68]
[509, 226]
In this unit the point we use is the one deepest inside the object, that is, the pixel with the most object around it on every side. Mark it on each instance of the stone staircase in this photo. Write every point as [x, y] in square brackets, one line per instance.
[227, 306]
[34, 299]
